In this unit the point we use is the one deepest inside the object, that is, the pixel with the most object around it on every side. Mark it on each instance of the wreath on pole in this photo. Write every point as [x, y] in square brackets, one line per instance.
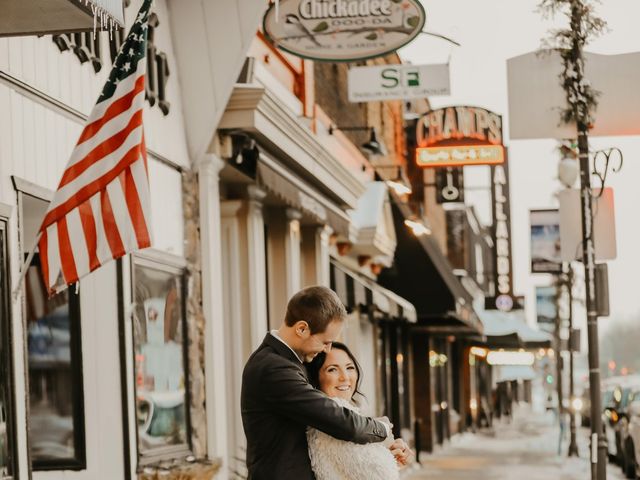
[584, 25]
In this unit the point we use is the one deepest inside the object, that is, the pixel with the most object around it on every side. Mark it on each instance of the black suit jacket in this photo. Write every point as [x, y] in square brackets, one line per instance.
[278, 403]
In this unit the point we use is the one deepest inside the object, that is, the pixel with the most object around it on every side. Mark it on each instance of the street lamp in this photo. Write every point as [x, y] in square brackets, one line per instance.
[568, 168]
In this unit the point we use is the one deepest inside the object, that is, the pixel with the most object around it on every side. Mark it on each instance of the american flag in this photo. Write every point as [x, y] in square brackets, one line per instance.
[100, 210]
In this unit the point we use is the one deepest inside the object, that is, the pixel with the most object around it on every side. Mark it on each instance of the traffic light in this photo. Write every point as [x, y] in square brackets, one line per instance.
[549, 378]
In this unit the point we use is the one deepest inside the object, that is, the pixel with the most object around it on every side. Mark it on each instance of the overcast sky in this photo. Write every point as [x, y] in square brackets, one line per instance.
[491, 31]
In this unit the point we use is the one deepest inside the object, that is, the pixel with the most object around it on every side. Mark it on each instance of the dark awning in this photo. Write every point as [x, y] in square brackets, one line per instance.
[37, 17]
[296, 193]
[423, 275]
[358, 292]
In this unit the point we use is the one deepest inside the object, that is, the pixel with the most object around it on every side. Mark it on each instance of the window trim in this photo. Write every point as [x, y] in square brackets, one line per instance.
[169, 263]
[79, 462]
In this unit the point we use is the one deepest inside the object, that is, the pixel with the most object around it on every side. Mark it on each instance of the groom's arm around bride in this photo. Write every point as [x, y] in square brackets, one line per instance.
[278, 403]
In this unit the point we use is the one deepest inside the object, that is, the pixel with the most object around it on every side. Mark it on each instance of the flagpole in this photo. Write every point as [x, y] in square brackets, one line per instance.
[25, 267]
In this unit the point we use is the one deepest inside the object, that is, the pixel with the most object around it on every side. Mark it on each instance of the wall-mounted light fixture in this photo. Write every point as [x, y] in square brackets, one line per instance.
[240, 149]
[373, 146]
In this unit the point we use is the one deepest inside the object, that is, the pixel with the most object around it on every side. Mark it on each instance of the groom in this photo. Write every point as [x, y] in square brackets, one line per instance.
[278, 403]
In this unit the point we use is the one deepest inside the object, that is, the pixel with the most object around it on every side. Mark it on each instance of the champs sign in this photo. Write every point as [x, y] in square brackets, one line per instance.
[459, 136]
[343, 30]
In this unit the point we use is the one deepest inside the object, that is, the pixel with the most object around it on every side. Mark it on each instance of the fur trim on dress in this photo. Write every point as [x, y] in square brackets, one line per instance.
[333, 459]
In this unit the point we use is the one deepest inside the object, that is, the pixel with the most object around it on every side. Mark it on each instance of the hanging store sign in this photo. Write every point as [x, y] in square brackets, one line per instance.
[604, 225]
[449, 185]
[459, 136]
[545, 241]
[501, 230]
[459, 156]
[397, 82]
[343, 30]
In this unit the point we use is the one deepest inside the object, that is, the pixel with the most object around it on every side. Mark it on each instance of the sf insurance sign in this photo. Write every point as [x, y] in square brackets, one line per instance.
[343, 30]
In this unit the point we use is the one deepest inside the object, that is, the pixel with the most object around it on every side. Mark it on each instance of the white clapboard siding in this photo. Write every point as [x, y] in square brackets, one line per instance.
[37, 62]
[37, 143]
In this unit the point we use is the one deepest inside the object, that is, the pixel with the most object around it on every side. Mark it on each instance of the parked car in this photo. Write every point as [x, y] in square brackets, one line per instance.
[626, 457]
[633, 439]
[612, 393]
[616, 413]
[629, 428]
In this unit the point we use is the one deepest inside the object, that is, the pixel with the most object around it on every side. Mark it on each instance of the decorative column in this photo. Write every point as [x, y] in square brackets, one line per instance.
[292, 251]
[212, 297]
[257, 274]
[322, 255]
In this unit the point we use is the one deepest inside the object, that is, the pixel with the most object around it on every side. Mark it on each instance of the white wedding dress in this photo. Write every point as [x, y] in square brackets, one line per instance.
[333, 459]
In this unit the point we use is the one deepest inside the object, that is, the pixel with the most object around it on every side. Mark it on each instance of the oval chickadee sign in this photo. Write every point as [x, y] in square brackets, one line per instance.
[343, 30]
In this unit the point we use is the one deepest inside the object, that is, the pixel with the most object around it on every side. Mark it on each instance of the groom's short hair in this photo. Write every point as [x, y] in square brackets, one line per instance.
[318, 306]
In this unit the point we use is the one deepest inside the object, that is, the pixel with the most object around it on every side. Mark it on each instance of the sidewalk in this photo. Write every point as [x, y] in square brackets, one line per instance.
[525, 449]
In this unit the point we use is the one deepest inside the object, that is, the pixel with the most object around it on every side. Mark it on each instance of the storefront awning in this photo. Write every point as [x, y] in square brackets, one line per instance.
[296, 193]
[422, 274]
[373, 222]
[510, 330]
[38, 17]
[358, 291]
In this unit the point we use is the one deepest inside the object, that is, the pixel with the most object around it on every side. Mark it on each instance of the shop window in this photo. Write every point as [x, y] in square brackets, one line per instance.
[54, 360]
[160, 349]
[7, 438]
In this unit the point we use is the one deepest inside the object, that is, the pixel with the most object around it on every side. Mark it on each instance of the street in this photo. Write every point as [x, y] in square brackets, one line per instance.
[525, 449]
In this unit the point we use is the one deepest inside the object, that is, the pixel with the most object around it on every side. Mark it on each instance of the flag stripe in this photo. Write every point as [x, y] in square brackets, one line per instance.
[77, 242]
[142, 186]
[90, 234]
[114, 125]
[110, 226]
[53, 253]
[103, 251]
[95, 172]
[135, 210]
[92, 188]
[123, 87]
[66, 253]
[114, 109]
[120, 212]
[102, 150]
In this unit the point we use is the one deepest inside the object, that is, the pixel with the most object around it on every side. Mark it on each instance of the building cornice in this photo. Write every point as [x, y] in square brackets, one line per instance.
[255, 108]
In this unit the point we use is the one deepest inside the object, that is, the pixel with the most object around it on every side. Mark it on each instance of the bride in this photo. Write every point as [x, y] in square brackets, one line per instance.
[337, 374]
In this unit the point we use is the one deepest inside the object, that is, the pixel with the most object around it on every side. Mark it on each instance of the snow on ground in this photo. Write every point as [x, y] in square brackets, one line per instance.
[523, 449]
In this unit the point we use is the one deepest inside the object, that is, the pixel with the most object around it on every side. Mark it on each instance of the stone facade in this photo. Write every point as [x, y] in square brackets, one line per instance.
[195, 315]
